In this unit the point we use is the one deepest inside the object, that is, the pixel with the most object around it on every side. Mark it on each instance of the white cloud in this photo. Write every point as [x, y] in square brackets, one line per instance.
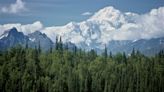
[145, 26]
[26, 29]
[86, 14]
[17, 7]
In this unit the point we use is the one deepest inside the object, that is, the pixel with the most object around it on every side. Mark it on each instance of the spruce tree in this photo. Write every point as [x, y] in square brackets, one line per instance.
[56, 44]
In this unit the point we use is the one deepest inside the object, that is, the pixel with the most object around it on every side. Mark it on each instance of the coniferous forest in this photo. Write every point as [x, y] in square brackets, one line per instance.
[23, 69]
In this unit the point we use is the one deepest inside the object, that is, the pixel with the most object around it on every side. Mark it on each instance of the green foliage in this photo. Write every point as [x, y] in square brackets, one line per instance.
[63, 70]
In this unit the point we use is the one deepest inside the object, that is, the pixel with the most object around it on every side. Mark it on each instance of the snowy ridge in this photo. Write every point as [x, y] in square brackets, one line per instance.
[4, 35]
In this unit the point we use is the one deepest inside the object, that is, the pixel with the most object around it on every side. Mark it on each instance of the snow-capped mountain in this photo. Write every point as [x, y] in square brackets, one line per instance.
[12, 38]
[109, 24]
[119, 31]
[38, 38]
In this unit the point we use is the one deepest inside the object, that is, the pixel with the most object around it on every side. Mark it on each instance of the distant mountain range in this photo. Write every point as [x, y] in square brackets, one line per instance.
[118, 31]
[147, 47]
[12, 38]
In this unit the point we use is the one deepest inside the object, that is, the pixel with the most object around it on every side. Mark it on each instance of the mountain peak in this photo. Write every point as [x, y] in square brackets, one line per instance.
[10, 32]
[108, 13]
[11, 38]
[71, 24]
[13, 30]
[109, 8]
[37, 32]
[37, 38]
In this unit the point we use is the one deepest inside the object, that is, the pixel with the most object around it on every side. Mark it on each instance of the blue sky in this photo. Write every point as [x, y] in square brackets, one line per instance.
[60, 12]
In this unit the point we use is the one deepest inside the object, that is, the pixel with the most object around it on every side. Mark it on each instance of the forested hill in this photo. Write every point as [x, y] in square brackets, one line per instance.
[62, 70]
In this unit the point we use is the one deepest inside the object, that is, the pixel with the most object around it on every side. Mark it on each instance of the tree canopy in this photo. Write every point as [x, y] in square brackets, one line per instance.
[63, 70]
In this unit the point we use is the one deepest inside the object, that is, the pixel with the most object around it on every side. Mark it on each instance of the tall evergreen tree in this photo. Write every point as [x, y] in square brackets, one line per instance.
[124, 58]
[39, 48]
[105, 53]
[26, 45]
[110, 54]
[133, 52]
[50, 49]
[60, 44]
[56, 43]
